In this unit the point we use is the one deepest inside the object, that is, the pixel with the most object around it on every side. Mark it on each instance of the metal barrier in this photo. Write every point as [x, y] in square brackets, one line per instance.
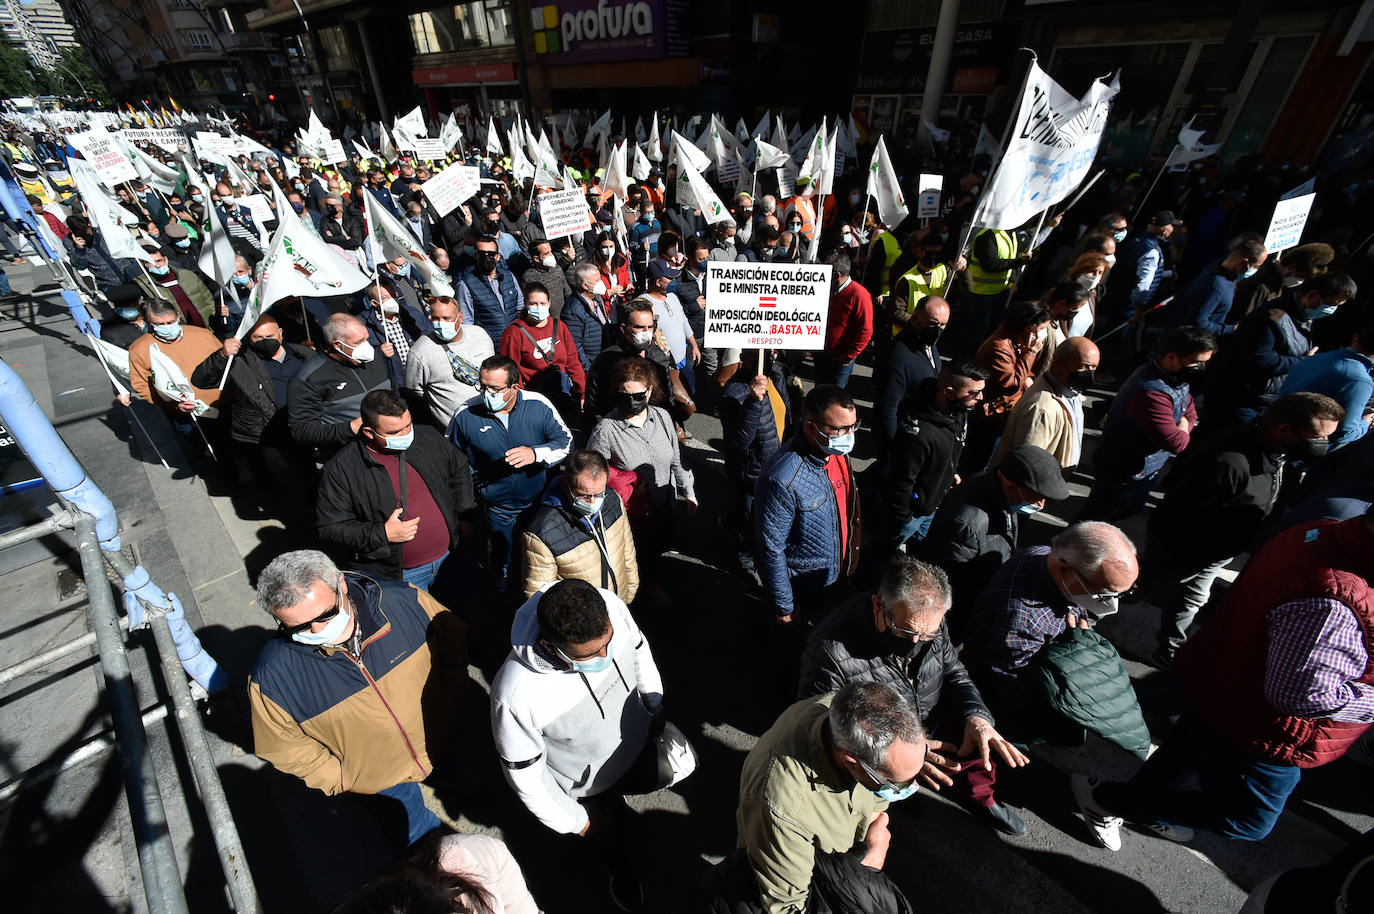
[176, 646]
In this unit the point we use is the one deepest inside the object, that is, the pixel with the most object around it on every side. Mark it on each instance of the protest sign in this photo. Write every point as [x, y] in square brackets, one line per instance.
[767, 305]
[168, 139]
[564, 213]
[452, 186]
[101, 149]
[430, 149]
[1290, 217]
[214, 148]
[928, 199]
[332, 151]
[260, 207]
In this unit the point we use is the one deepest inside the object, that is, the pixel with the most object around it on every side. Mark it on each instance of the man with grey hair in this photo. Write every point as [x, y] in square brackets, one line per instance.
[341, 225]
[816, 786]
[898, 637]
[358, 694]
[1039, 593]
[324, 400]
[588, 313]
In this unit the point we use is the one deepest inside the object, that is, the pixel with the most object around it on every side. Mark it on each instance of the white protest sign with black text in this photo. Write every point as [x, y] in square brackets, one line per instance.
[767, 305]
[430, 150]
[260, 207]
[928, 199]
[564, 213]
[102, 150]
[1290, 217]
[452, 186]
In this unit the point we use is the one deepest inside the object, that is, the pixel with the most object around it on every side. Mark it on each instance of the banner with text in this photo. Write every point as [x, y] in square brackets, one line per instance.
[564, 213]
[767, 305]
[102, 150]
[452, 186]
[928, 199]
[168, 139]
[1290, 218]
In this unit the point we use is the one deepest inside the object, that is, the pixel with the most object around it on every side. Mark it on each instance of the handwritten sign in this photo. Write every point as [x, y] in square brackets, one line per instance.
[1290, 218]
[564, 213]
[101, 149]
[452, 186]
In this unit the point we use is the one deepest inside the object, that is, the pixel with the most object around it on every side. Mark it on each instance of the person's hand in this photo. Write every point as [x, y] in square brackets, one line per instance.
[79, 241]
[982, 738]
[355, 425]
[186, 406]
[123, 399]
[1312, 351]
[1073, 620]
[1023, 257]
[401, 531]
[223, 309]
[617, 289]
[960, 263]
[957, 479]
[758, 388]
[787, 619]
[232, 346]
[701, 301]
[940, 764]
[878, 839]
[1184, 425]
[519, 457]
[1054, 223]
[692, 505]
[387, 349]
[696, 354]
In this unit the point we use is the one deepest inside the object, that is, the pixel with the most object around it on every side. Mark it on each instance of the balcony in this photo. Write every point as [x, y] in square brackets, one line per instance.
[246, 41]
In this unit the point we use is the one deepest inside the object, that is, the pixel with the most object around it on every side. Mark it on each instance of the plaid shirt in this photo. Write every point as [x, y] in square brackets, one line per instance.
[1021, 610]
[396, 336]
[1316, 654]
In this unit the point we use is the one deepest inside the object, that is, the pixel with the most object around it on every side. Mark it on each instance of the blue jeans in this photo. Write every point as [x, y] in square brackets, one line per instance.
[5, 284]
[1236, 795]
[917, 526]
[1114, 498]
[419, 819]
[422, 576]
[829, 371]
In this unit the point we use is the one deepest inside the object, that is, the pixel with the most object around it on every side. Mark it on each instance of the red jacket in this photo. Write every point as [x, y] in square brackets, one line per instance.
[516, 343]
[850, 325]
[1222, 668]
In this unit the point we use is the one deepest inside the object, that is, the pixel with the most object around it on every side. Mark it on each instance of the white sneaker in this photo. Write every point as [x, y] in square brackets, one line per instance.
[1179, 833]
[1106, 828]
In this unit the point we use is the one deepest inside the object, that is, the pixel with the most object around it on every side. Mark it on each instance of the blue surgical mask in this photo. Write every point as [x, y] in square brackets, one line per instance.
[1313, 314]
[1119, 235]
[895, 794]
[399, 442]
[494, 401]
[403, 269]
[1249, 271]
[589, 508]
[241, 279]
[184, 243]
[127, 314]
[594, 665]
[333, 632]
[159, 271]
[1025, 509]
[839, 444]
[167, 332]
[446, 330]
[537, 313]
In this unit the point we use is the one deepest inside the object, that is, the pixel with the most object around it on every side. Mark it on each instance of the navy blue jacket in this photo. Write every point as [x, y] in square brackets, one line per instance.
[1246, 375]
[489, 313]
[751, 430]
[907, 367]
[413, 321]
[484, 439]
[590, 334]
[1206, 300]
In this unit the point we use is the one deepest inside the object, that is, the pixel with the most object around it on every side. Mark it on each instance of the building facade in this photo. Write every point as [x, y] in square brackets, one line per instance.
[39, 28]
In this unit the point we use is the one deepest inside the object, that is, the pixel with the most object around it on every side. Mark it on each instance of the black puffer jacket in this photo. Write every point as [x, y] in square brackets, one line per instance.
[845, 647]
[250, 389]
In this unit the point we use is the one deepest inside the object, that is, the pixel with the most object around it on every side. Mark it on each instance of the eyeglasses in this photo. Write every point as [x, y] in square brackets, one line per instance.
[900, 632]
[1107, 594]
[488, 389]
[322, 617]
[895, 786]
[835, 430]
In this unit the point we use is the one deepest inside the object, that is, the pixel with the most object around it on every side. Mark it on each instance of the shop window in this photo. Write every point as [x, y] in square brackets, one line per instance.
[463, 27]
[1266, 97]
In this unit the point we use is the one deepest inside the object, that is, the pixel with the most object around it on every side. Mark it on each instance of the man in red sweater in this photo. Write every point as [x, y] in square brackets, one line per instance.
[545, 351]
[848, 328]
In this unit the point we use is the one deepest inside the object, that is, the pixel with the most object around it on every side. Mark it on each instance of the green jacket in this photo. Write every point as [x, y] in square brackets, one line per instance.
[793, 802]
[1081, 676]
[190, 284]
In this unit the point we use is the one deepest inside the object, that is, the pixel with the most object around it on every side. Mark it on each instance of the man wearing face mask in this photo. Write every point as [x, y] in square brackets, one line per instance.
[377, 187]
[1217, 498]
[589, 314]
[1133, 285]
[238, 223]
[392, 499]
[643, 235]
[546, 270]
[405, 283]
[1151, 419]
[896, 636]
[324, 400]
[1346, 376]
[575, 710]
[1050, 415]
[259, 378]
[834, 763]
[487, 291]
[340, 225]
[443, 365]
[232, 301]
[360, 692]
[1248, 374]
[127, 325]
[931, 425]
[511, 437]
[1206, 300]
[929, 276]
[1289, 270]
[807, 522]
[635, 338]
[182, 287]
[1031, 600]
[915, 356]
[581, 531]
[181, 250]
[186, 346]
[848, 328]
[978, 524]
[393, 324]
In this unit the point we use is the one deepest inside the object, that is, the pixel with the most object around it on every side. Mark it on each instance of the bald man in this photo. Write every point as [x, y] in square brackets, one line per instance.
[1050, 414]
[915, 357]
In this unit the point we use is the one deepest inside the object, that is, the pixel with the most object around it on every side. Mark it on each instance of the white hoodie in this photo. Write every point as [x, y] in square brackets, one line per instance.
[562, 734]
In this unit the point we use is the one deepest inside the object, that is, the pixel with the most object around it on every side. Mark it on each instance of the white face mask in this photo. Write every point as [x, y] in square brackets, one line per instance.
[447, 330]
[1111, 260]
[548, 261]
[1089, 281]
[361, 353]
[389, 306]
[537, 313]
[1292, 282]
[333, 632]
[642, 338]
[599, 289]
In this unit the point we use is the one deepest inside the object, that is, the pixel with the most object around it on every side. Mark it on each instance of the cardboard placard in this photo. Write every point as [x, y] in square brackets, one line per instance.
[1290, 218]
[564, 213]
[101, 150]
[928, 198]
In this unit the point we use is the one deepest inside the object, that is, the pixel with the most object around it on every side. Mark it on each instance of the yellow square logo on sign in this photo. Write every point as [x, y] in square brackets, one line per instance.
[544, 21]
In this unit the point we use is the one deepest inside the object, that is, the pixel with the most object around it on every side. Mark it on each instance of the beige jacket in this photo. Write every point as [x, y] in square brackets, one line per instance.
[559, 546]
[1044, 419]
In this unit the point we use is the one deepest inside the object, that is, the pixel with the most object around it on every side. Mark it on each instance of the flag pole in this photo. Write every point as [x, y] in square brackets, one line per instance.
[1140, 205]
[123, 391]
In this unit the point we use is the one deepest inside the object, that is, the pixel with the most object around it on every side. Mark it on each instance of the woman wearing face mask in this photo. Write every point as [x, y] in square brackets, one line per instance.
[1009, 357]
[640, 441]
[1089, 271]
[614, 267]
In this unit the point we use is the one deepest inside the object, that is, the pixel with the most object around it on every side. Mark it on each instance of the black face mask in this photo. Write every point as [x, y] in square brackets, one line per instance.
[894, 646]
[486, 261]
[1308, 449]
[266, 348]
[1191, 372]
[929, 336]
[1081, 379]
[632, 404]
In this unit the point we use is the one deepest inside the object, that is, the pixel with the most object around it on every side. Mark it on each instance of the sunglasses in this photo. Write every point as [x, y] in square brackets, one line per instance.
[906, 632]
[896, 786]
[322, 617]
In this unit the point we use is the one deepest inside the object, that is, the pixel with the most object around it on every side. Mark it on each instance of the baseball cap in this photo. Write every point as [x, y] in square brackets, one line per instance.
[1036, 469]
[1166, 217]
[123, 294]
[658, 269]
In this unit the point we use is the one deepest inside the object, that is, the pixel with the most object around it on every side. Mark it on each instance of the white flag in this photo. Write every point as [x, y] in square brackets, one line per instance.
[392, 240]
[520, 166]
[170, 381]
[766, 155]
[494, 139]
[655, 144]
[614, 179]
[762, 126]
[640, 134]
[988, 145]
[451, 134]
[692, 188]
[600, 124]
[413, 124]
[110, 220]
[684, 150]
[1054, 141]
[779, 138]
[216, 253]
[640, 165]
[935, 133]
[817, 157]
[883, 187]
[1189, 149]
[299, 263]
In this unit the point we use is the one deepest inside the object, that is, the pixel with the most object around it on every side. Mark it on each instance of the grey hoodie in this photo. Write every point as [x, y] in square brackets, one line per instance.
[562, 734]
